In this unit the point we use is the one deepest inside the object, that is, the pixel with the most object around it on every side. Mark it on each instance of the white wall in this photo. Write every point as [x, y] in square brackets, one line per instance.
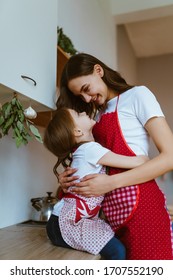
[25, 172]
[156, 73]
[127, 6]
[90, 26]
[126, 60]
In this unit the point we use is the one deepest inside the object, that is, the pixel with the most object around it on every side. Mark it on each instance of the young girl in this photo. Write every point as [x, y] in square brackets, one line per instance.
[79, 223]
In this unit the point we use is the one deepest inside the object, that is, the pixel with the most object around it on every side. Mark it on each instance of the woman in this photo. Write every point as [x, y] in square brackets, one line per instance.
[127, 116]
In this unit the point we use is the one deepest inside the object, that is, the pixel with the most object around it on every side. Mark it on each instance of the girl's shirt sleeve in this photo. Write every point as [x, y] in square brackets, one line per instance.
[94, 152]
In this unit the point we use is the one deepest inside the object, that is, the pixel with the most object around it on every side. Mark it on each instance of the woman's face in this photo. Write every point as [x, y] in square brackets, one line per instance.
[91, 88]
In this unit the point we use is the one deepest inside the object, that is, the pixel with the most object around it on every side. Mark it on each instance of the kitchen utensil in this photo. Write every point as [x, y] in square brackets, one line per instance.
[42, 207]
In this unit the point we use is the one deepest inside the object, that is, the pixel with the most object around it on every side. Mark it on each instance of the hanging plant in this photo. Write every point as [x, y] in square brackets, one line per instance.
[13, 117]
[65, 42]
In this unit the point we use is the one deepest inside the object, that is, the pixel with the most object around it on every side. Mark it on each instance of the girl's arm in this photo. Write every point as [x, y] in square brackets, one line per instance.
[162, 136]
[115, 160]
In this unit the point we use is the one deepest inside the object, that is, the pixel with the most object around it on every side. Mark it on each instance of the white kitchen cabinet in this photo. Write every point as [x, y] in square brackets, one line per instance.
[28, 46]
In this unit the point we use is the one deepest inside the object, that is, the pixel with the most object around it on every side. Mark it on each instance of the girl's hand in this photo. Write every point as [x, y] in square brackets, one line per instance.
[66, 179]
[93, 185]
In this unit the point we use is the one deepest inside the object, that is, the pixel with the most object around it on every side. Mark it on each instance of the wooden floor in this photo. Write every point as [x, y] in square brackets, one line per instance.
[21, 242]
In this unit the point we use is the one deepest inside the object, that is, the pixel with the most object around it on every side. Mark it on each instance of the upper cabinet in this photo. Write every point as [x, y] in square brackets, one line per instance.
[43, 118]
[28, 50]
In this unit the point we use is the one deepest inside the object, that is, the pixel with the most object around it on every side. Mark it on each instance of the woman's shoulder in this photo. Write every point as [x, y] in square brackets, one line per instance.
[139, 94]
[139, 100]
[137, 90]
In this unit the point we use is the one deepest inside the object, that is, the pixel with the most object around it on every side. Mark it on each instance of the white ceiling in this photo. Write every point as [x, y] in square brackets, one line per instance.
[151, 37]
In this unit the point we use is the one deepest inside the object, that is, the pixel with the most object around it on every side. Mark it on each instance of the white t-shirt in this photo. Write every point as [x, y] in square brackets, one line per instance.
[85, 159]
[135, 107]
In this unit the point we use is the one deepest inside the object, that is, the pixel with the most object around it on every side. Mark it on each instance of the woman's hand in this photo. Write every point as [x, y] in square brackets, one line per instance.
[66, 179]
[93, 185]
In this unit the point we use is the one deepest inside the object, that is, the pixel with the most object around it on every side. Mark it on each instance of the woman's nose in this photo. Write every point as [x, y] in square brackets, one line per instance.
[87, 98]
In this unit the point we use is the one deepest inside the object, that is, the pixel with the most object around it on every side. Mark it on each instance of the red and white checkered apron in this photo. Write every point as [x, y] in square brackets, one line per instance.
[137, 214]
[80, 225]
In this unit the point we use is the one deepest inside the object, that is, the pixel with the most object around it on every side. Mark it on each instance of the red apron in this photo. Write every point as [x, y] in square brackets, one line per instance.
[137, 214]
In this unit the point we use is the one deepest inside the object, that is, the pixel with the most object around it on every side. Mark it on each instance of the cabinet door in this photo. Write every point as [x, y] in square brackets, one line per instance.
[28, 36]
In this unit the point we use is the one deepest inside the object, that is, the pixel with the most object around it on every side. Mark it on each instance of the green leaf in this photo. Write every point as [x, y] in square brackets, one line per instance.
[7, 111]
[39, 139]
[18, 141]
[1, 120]
[34, 130]
[8, 124]
[19, 105]
[21, 116]
[20, 126]
[36, 133]
[16, 131]
[13, 101]
[4, 106]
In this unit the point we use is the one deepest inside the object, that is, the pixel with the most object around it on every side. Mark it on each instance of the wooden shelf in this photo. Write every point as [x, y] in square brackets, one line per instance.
[43, 118]
[62, 59]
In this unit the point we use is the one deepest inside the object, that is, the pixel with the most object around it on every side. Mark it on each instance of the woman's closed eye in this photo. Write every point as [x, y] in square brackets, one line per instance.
[86, 89]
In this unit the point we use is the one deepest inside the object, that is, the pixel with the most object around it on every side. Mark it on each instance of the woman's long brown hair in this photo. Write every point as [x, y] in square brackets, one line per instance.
[80, 65]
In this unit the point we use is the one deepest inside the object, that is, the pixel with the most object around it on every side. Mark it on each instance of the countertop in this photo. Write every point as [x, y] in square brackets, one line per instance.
[21, 242]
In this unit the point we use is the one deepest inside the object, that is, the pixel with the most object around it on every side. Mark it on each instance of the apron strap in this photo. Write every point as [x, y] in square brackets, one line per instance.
[82, 209]
[117, 102]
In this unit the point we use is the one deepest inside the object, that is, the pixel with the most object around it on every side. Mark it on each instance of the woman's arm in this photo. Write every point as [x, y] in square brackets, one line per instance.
[66, 178]
[162, 136]
[115, 160]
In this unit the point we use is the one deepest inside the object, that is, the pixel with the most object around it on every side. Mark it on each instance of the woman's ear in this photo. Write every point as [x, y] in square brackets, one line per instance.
[99, 70]
[78, 132]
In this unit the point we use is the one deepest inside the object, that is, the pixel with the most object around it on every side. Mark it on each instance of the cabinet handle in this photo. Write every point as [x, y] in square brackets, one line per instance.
[25, 77]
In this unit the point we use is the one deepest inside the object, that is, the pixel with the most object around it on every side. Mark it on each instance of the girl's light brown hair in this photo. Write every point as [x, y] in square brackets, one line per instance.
[59, 137]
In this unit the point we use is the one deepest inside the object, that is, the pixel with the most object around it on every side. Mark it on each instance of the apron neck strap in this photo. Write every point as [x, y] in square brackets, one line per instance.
[118, 97]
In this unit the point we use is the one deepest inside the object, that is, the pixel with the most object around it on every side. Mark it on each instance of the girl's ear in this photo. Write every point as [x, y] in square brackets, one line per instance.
[99, 70]
[78, 132]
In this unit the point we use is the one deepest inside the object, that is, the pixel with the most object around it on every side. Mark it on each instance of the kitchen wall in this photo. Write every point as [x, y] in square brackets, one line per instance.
[91, 27]
[126, 60]
[26, 172]
[156, 74]
[126, 7]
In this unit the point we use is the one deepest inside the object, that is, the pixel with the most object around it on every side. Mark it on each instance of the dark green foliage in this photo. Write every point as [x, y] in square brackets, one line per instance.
[65, 42]
[12, 117]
